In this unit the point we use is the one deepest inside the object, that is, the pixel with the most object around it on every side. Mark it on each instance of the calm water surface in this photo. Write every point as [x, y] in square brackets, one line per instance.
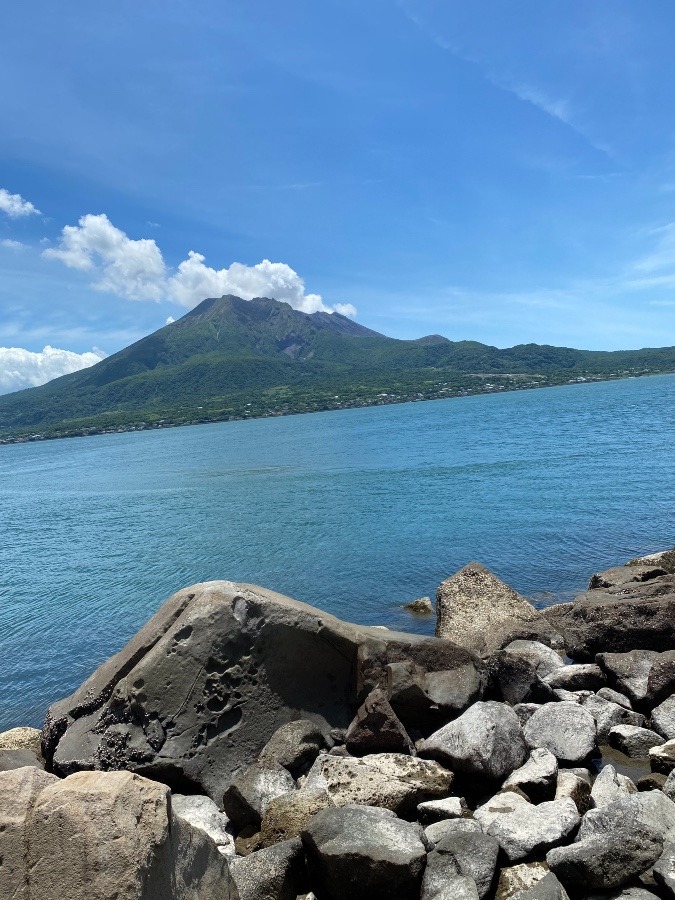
[356, 512]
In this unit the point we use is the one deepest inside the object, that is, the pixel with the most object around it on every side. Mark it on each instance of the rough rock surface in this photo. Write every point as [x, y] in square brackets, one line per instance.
[287, 815]
[649, 809]
[528, 828]
[56, 839]
[425, 698]
[662, 759]
[609, 786]
[295, 745]
[362, 853]
[514, 679]
[576, 787]
[275, 873]
[633, 741]
[422, 606]
[485, 741]
[501, 804]
[617, 619]
[472, 602]
[17, 759]
[252, 791]
[388, 780]
[621, 575]
[669, 786]
[377, 729]
[607, 714]
[566, 729]
[22, 738]
[537, 777]
[663, 718]
[197, 693]
[544, 658]
[615, 697]
[471, 854]
[514, 879]
[629, 672]
[202, 812]
[664, 871]
[438, 830]
[549, 888]
[437, 810]
[579, 677]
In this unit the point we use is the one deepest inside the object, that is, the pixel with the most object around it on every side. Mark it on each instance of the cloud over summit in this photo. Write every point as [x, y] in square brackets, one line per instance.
[136, 270]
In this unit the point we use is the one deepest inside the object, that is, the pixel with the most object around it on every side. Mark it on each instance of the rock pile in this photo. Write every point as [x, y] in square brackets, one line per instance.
[244, 745]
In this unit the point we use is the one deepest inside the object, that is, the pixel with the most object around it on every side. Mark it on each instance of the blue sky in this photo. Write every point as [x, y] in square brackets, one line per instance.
[494, 171]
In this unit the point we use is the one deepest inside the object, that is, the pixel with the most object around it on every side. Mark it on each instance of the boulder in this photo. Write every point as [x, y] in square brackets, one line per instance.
[652, 781]
[201, 812]
[614, 697]
[621, 575]
[522, 877]
[275, 873]
[195, 696]
[629, 672]
[669, 786]
[472, 602]
[651, 810]
[377, 729]
[543, 658]
[529, 829]
[617, 619]
[549, 888]
[514, 679]
[17, 759]
[579, 677]
[663, 718]
[288, 814]
[664, 871]
[364, 853]
[575, 786]
[566, 729]
[455, 887]
[633, 741]
[22, 738]
[438, 830]
[389, 780]
[537, 777]
[485, 741]
[97, 835]
[295, 745]
[471, 854]
[425, 699]
[446, 808]
[608, 714]
[501, 804]
[252, 791]
[662, 759]
[525, 711]
[661, 682]
[422, 606]
[609, 786]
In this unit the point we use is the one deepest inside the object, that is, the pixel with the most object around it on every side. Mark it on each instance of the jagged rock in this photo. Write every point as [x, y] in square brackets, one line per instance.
[633, 893]
[661, 682]
[501, 804]
[438, 830]
[663, 718]
[97, 835]
[251, 792]
[424, 699]
[572, 696]
[485, 741]
[649, 809]
[364, 853]
[389, 780]
[530, 828]
[615, 697]
[608, 714]
[446, 808]
[566, 729]
[472, 602]
[579, 677]
[295, 746]
[288, 814]
[17, 759]
[471, 854]
[202, 812]
[537, 777]
[669, 786]
[549, 888]
[525, 711]
[274, 873]
[629, 672]
[22, 738]
[662, 759]
[420, 607]
[515, 680]
[621, 575]
[575, 786]
[653, 781]
[543, 658]
[455, 887]
[617, 619]
[605, 861]
[196, 694]
[610, 786]
[634, 742]
[664, 871]
[522, 877]
[377, 729]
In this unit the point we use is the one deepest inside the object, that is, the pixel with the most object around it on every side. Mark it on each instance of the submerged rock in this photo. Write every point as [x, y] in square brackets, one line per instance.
[420, 607]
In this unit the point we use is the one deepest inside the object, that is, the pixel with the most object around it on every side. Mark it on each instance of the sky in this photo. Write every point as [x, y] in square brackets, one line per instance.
[494, 171]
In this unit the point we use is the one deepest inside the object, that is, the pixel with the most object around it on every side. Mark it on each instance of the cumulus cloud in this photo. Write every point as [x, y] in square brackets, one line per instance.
[21, 368]
[135, 270]
[9, 244]
[15, 206]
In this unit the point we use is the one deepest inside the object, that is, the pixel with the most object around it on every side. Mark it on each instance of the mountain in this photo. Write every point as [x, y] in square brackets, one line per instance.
[230, 357]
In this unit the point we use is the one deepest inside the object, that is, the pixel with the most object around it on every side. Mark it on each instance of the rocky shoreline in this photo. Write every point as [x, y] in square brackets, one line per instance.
[245, 745]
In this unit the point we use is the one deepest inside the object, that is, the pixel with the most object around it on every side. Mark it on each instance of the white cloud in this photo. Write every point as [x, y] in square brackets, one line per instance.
[15, 206]
[12, 245]
[135, 270]
[21, 368]
[170, 320]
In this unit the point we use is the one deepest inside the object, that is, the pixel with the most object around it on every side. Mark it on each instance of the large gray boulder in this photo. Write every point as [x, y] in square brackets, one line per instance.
[566, 729]
[485, 741]
[363, 853]
[201, 812]
[639, 615]
[663, 718]
[195, 696]
[529, 829]
[295, 746]
[578, 677]
[377, 729]
[607, 714]
[472, 602]
[629, 672]
[651, 810]
[287, 815]
[548, 888]
[633, 741]
[274, 873]
[622, 575]
[97, 835]
[471, 854]
[543, 658]
[252, 791]
[537, 777]
[611, 785]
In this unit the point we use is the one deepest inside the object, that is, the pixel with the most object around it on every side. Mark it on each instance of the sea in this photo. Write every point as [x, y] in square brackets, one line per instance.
[354, 511]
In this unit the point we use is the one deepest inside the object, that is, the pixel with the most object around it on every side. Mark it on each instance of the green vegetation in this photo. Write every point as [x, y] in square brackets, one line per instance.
[231, 359]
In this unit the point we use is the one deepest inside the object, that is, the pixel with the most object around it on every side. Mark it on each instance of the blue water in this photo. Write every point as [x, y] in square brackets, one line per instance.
[356, 512]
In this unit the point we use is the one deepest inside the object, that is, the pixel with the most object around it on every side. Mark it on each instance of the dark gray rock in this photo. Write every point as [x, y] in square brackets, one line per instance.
[661, 682]
[663, 718]
[438, 830]
[652, 781]
[422, 606]
[274, 873]
[579, 677]
[251, 792]
[514, 679]
[17, 759]
[425, 699]
[566, 729]
[522, 877]
[197, 694]
[537, 777]
[525, 711]
[471, 854]
[617, 619]
[363, 853]
[485, 741]
[621, 575]
[377, 729]
[549, 888]
[634, 742]
[543, 658]
[295, 745]
[455, 887]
